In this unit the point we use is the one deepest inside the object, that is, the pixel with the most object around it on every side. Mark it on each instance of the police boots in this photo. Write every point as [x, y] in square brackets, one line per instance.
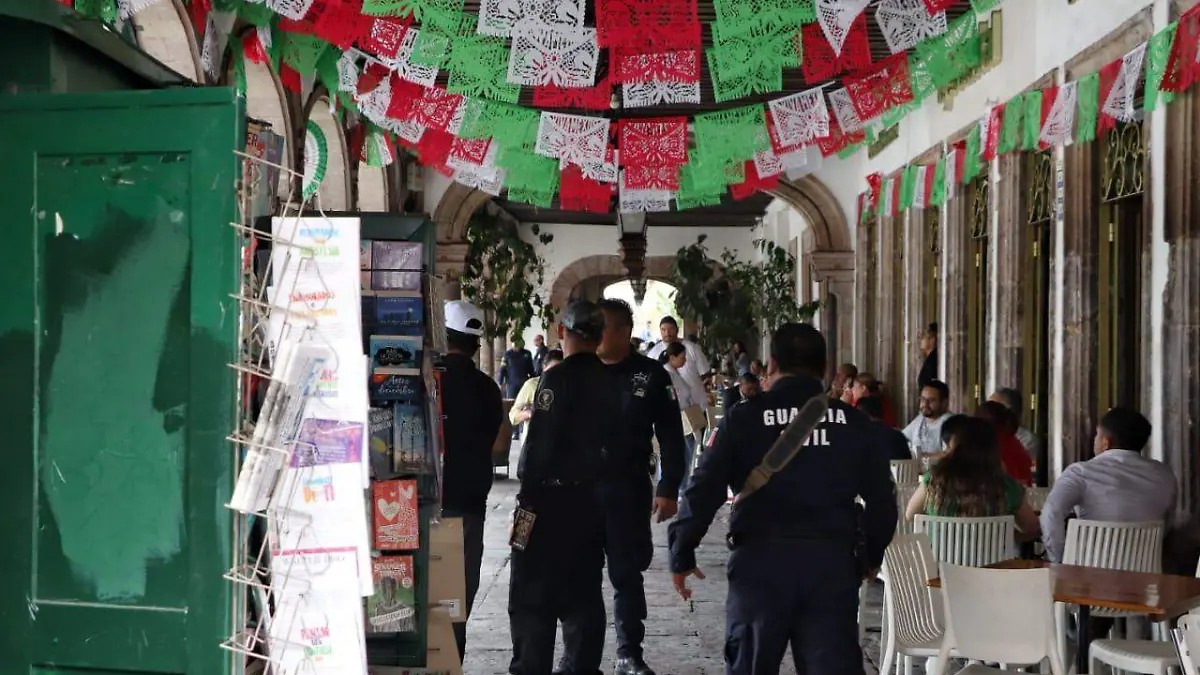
[632, 665]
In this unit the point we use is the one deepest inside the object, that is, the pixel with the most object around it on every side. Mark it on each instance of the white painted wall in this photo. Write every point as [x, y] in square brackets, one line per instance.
[572, 242]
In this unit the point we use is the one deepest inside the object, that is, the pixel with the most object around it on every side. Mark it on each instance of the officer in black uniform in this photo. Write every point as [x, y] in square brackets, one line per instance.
[556, 570]
[651, 408]
[793, 571]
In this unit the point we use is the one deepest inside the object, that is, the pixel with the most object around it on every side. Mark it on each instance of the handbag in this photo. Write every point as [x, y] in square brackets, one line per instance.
[695, 417]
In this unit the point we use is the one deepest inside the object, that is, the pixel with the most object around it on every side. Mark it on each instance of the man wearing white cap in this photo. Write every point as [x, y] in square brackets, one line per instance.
[473, 410]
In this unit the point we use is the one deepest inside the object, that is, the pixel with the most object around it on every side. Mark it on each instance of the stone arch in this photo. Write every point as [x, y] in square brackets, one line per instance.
[165, 31]
[334, 192]
[455, 209]
[827, 222]
[658, 268]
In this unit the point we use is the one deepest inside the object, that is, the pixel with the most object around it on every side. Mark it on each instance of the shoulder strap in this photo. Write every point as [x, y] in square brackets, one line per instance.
[787, 446]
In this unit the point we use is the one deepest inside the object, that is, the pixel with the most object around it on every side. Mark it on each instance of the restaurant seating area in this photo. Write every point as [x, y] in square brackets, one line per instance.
[958, 597]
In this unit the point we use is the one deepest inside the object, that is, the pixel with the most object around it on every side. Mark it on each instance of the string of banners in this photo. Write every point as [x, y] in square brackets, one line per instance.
[445, 84]
[1076, 112]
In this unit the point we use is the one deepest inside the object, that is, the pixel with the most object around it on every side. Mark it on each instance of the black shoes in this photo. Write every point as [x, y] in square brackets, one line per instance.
[633, 665]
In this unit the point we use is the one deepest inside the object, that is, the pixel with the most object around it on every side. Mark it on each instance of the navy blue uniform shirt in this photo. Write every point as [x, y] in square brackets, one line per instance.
[576, 419]
[515, 369]
[812, 497]
[651, 408]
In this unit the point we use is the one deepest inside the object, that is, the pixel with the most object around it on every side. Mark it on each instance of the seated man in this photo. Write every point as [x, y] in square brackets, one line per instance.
[748, 386]
[1011, 398]
[897, 444]
[1118, 484]
[925, 431]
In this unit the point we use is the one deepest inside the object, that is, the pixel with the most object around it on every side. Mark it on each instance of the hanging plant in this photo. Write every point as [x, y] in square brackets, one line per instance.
[732, 298]
[502, 275]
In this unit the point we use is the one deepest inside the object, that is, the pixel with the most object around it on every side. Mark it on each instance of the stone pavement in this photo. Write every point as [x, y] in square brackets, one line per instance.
[679, 640]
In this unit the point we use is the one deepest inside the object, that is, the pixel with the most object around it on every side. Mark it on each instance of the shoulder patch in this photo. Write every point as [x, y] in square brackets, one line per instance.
[545, 399]
[712, 438]
[671, 393]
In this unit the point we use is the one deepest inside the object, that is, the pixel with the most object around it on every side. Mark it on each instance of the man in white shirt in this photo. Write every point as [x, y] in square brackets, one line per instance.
[697, 367]
[924, 433]
[1117, 485]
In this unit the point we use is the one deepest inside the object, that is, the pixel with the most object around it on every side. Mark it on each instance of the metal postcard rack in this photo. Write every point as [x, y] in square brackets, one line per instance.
[278, 348]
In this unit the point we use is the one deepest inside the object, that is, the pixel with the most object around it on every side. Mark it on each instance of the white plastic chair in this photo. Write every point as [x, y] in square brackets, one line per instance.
[975, 542]
[912, 611]
[904, 495]
[1132, 547]
[998, 616]
[1036, 496]
[906, 471]
[1153, 657]
[1187, 643]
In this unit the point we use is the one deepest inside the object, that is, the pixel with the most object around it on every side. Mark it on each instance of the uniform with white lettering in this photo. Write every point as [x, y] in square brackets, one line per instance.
[796, 558]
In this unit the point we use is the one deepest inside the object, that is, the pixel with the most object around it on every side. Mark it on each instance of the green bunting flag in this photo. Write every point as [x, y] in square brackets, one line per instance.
[1088, 114]
[1032, 130]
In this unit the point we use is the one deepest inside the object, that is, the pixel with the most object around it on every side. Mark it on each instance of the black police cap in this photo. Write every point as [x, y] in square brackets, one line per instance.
[584, 318]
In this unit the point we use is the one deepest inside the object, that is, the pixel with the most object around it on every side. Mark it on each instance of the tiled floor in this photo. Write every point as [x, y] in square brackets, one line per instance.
[681, 640]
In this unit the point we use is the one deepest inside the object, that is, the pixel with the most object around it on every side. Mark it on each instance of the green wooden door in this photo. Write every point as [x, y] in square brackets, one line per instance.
[115, 329]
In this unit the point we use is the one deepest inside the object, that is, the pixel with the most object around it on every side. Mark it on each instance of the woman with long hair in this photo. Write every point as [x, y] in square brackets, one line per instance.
[970, 481]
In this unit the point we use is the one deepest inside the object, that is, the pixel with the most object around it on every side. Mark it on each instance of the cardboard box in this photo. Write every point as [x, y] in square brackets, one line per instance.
[447, 580]
[442, 651]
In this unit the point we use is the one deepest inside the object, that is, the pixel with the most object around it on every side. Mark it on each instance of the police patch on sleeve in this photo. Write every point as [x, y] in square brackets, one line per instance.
[671, 393]
[545, 399]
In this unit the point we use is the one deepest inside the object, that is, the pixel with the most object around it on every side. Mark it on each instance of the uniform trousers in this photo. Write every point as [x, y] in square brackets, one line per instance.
[629, 548]
[802, 592]
[557, 578]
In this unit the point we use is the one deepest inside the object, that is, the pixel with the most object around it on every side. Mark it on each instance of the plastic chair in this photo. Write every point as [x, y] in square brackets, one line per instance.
[975, 542]
[999, 616]
[1132, 547]
[912, 611]
[906, 471]
[1152, 657]
[1036, 496]
[1187, 644]
[904, 495]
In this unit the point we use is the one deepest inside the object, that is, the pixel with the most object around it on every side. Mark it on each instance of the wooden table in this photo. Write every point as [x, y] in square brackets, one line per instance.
[1162, 596]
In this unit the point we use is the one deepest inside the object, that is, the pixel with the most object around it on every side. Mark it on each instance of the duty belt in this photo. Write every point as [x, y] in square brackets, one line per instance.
[733, 540]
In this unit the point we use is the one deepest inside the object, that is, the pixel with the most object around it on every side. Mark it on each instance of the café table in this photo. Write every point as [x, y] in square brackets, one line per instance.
[1163, 597]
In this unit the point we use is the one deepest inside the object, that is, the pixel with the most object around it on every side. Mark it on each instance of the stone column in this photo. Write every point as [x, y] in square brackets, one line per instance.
[834, 270]
[956, 264]
[1181, 310]
[449, 261]
[916, 320]
[1012, 247]
[886, 330]
[1079, 317]
[863, 334]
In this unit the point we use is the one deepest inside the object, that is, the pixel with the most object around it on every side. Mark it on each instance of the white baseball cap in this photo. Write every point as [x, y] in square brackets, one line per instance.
[464, 317]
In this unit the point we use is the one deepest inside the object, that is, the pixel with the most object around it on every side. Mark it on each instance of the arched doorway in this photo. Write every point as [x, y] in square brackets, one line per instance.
[658, 302]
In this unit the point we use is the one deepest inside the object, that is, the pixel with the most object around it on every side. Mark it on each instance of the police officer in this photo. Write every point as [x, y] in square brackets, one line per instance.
[793, 570]
[649, 409]
[558, 537]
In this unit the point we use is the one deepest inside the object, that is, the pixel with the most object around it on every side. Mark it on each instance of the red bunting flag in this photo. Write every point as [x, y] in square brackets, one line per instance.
[881, 87]
[925, 185]
[577, 192]
[594, 98]
[654, 142]
[650, 177]
[1182, 67]
[1049, 95]
[935, 6]
[991, 141]
[648, 26]
[874, 183]
[1108, 79]
[821, 62]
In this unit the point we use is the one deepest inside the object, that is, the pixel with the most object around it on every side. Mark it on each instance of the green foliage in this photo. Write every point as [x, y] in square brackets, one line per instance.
[502, 275]
[731, 298]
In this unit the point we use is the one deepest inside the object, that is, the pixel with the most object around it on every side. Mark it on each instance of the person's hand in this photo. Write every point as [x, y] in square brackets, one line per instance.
[664, 509]
[524, 415]
[680, 582]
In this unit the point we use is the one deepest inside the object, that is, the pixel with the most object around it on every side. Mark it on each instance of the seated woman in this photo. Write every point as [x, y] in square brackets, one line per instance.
[970, 482]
